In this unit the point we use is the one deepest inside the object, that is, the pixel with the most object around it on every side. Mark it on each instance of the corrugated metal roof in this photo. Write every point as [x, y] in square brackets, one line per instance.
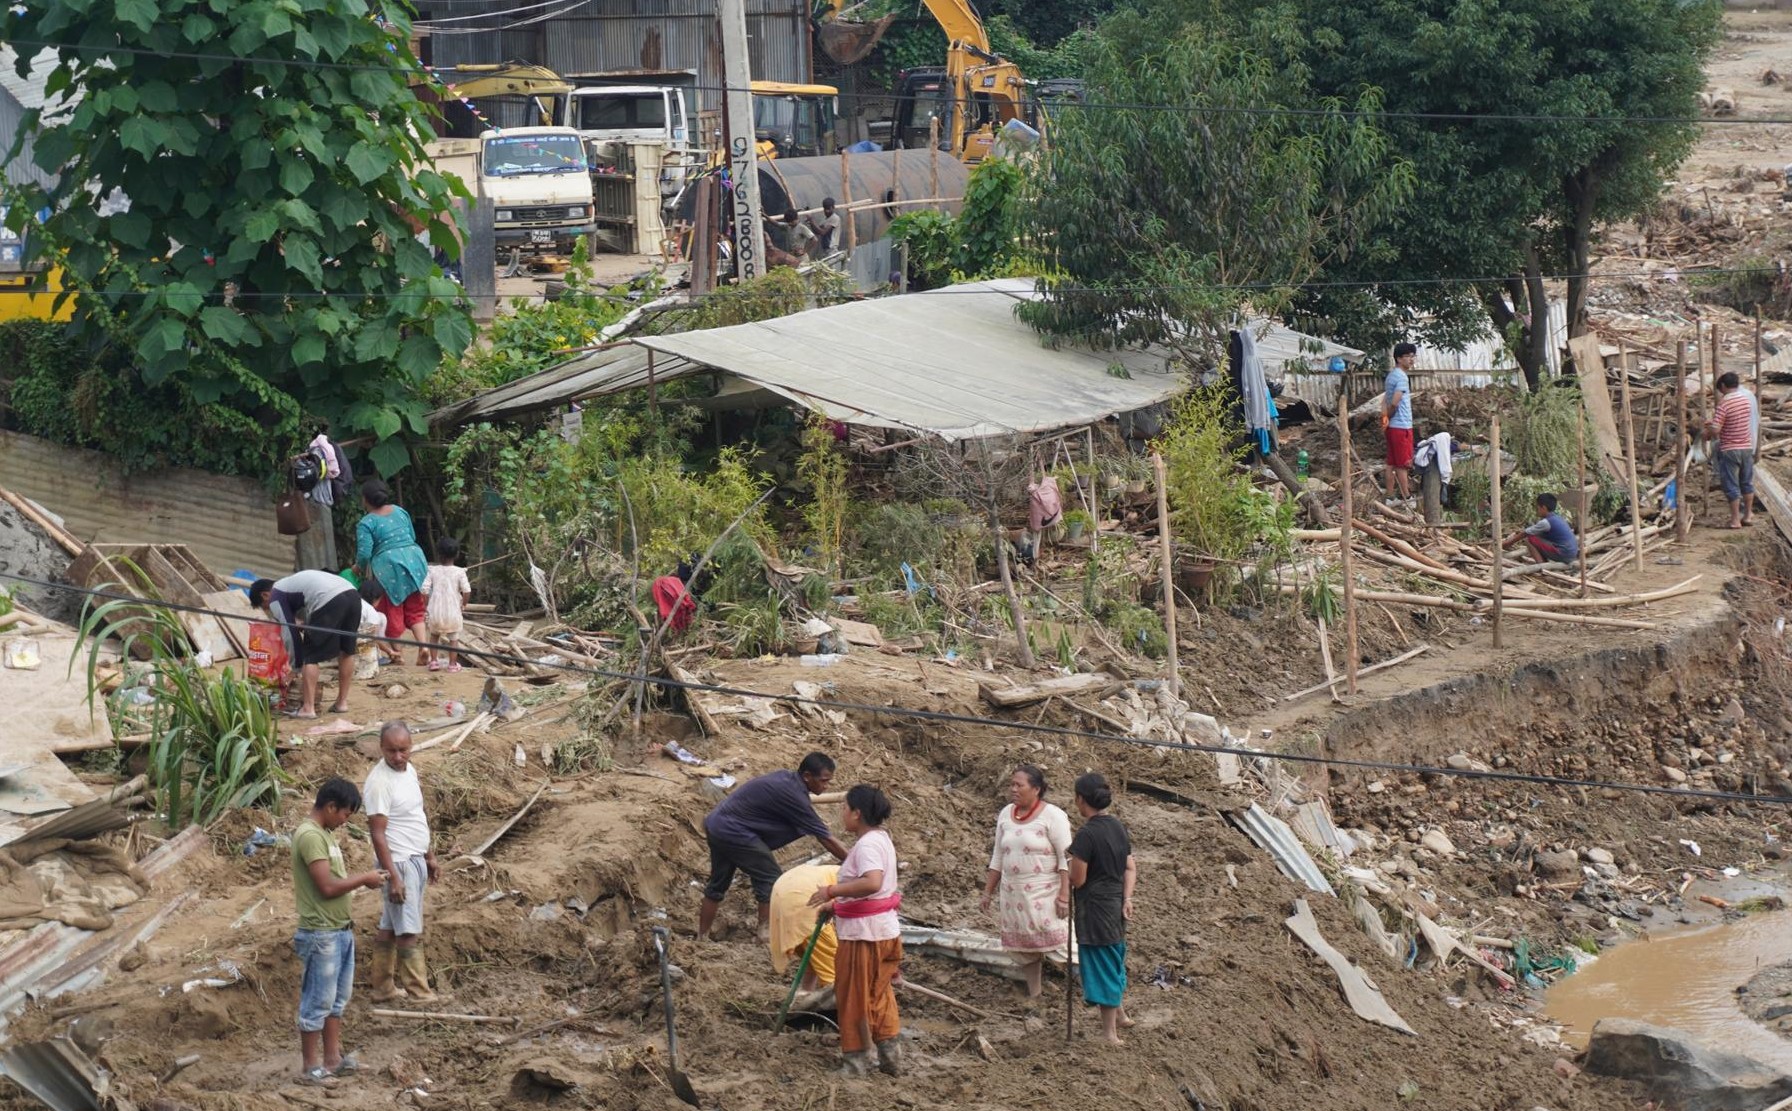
[1489, 352]
[954, 362]
[1273, 836]
[57, 1072]
[227, 522]
[18, 95]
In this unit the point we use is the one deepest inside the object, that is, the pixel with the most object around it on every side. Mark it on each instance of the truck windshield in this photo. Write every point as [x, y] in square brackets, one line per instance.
[513, 155]
[776, 117]
[634, 112]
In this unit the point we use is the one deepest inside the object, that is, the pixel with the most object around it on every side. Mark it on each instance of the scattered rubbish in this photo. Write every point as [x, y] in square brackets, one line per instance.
[521, 757]
[1693, 847]
[496, 701]
[1273, 836]
[823, 659]
[680, 753]
[261, 839]
[454, 709]
[1359, 991]
[229, 974]
[546, 912]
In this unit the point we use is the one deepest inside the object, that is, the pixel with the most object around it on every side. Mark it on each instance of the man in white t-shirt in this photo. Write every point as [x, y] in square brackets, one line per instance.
[393, 799]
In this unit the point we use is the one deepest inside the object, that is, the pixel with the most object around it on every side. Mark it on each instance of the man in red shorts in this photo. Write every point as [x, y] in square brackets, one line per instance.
[1396, 422]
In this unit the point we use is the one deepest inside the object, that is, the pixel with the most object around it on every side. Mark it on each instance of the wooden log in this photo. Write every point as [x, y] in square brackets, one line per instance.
[1395, 544]
[1682, 517]
[1165, 554]
[1372, 668]
[1614, 600]
[1013, 698]
[1345, 545]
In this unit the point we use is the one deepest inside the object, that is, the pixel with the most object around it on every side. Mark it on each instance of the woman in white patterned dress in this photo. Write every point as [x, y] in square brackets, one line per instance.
[1030, 870]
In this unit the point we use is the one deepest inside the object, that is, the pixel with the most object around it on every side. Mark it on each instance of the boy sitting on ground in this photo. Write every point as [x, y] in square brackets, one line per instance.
[1549, 537]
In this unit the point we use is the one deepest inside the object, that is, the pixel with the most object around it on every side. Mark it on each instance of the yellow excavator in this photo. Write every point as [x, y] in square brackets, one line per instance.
[969, 99]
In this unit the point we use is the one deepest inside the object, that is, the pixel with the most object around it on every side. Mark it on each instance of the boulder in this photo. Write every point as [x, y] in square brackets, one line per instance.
[1438, 842]
[1600, 856]
[1679, 1072]
[1564, 865]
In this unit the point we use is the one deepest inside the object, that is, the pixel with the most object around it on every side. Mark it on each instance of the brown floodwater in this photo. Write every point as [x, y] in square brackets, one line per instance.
[1686, 980]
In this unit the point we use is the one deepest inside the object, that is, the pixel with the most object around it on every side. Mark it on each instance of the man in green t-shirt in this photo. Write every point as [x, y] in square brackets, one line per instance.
[324, 942]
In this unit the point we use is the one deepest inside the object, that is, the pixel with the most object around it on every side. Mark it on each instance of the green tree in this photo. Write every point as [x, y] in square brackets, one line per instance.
[1167, 224]
[240, 195]
[1562, 123]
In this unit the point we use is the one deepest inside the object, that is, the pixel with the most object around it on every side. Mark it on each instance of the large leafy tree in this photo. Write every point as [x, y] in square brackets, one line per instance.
[1165, 224]
[1530, 124]
[241, 191]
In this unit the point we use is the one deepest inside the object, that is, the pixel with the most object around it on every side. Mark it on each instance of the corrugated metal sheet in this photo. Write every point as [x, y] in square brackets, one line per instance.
[614, 35]
[227, 522]
[57, 1072]
[17, 96]
[1489, 353]
[1273, 836]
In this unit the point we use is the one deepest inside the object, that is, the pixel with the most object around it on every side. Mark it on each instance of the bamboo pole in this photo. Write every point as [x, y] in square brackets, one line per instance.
[1499, 536]
[1682, 512]
[1704, 416]
[1636, 500]
[848, 226]
[1400, 659]
[1164, 555]
[933, 156]
[1325, 657]
[1344, 552]
[1581, 502]
[1094, 494]
[1519, 611]
[1757, 358]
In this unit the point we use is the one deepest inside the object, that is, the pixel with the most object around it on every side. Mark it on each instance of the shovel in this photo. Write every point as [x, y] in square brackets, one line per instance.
[681, 1084]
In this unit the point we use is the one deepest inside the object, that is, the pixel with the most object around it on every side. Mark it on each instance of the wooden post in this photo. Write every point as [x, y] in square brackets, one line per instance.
[848, 238]
[1636, 506]
[1582, 501]
[479, 261]
[1344, 542]
[1757, 361]
[1499, 536]
[703, 238]
[1682, 511]
[1705, 415]
[933, 159]
[743, 146]
[1094, 494]
[653, 390]
[1169, 568]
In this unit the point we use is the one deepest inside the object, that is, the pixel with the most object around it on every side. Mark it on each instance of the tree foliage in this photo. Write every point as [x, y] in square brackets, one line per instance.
[1504, 195]
[1167, 224]
[984, 239]
[239, 196]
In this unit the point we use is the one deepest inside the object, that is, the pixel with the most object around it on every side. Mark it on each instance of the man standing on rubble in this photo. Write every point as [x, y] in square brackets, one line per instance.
[1396, 421]
[759, 818]
[399, 830]
[1735, 424]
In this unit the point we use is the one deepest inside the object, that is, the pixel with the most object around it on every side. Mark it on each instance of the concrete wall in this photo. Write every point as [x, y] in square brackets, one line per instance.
[228, 522]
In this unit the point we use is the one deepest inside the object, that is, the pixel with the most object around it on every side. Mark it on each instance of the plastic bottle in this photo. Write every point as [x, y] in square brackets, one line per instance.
[1302, 463]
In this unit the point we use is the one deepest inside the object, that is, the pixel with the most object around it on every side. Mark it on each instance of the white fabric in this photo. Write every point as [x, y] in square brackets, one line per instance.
[445, 585]
[398, 797]
[1252, 384]
[874, 852]
[1437, 446]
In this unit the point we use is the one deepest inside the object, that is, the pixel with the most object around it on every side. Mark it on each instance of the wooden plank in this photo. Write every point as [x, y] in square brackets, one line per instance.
[1010, 698]
[1359, 991]
[1773, 495]
[1443, 943]
[236, 626]
[1598, 397]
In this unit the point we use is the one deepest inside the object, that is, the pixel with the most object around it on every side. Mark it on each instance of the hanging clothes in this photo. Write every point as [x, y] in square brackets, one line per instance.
[1253, 387]
[674, 601]
[320, 448]
[1044, 503]
[1436, 447]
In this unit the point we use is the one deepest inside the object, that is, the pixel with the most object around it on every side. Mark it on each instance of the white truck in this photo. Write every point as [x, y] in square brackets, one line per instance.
[537, 178]
[612, 118]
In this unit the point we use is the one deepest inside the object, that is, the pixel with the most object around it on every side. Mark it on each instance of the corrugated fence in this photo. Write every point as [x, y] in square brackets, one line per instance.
[228, 522]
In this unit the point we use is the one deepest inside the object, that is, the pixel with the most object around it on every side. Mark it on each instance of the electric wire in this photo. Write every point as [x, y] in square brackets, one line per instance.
[947, 717]
[1200, 109]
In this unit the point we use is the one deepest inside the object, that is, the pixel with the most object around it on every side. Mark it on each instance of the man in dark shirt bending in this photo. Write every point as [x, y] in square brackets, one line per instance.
[760, 817]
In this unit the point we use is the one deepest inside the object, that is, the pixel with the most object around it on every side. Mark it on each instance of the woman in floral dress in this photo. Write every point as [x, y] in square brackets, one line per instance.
[1030, 871]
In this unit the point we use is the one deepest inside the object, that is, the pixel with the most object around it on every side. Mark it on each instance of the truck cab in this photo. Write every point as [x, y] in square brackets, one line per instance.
[539, 183]
[794, 121]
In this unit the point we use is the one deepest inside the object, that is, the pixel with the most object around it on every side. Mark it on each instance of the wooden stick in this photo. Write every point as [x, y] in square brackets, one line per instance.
[1704, 416]
[1400, 659]
[1636, 500]
[1515, 609]
[1757, 359]
[1682, 515]
[485, 846]
[1325, 655]
[1615, 600]
[1344, 552]
[448, 1016]
[1580, 454]
[1164, 554]
[909, 985]
[1499, 536]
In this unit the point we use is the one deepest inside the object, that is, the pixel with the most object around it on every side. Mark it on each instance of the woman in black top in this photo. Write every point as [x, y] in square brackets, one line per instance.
[1102, 873]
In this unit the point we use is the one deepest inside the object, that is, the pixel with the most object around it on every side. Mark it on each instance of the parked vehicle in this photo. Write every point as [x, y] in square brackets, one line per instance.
[538, 180]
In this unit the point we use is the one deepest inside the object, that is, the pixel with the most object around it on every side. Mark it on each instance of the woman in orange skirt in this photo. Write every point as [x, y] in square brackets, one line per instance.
[869, 958]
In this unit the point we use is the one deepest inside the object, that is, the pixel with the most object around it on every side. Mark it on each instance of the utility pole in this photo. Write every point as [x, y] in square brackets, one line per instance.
[743, 143]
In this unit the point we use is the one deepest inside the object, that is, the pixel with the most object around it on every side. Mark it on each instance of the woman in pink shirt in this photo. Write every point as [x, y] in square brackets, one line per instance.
[869, 959]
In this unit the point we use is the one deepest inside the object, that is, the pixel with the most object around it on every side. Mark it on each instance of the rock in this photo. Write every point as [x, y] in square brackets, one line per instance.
[1557, 866]
[1678, 1071]
[1732, 712]
[1606, 871]
[1601, 856]
[1460, 761]
[134, 958]
[1377, 787]
[1438, 842]
[1566, 1069]
[397, 690]
[1779, 1010]
[1675, 775]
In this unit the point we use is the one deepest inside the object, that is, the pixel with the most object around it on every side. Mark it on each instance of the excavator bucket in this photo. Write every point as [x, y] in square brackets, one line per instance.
[846, 41]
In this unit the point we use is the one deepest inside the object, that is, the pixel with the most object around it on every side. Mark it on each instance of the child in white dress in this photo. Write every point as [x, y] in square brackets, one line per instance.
[448, 590]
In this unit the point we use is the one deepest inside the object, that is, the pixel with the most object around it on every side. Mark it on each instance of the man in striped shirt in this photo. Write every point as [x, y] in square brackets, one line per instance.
[1734, 423]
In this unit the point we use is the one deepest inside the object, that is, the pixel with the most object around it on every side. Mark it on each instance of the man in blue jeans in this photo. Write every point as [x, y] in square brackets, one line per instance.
[321, 888]
[760, 817]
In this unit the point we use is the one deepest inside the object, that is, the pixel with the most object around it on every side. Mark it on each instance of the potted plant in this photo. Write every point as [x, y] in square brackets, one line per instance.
[1137, 470]
[1076, 522]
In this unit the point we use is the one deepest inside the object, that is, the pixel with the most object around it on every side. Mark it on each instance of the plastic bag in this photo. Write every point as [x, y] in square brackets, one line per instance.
[267, 655]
